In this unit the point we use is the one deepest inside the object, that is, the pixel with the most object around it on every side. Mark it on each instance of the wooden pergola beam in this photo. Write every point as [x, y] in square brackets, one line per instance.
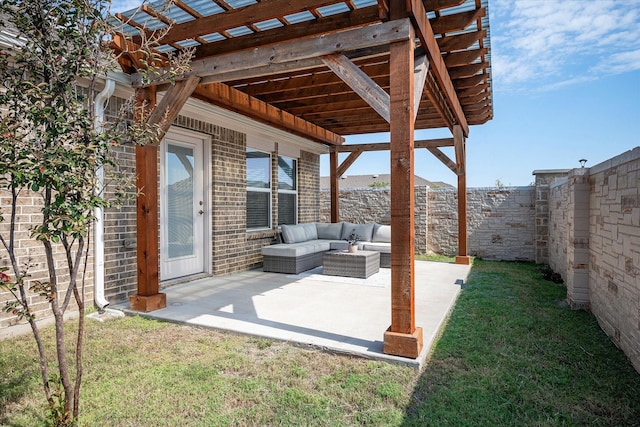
[456, 59]
[238, 17]
[420, 78]
[402, 338]
[460, 41]
[385, 146]
[171, 104]
[454, 22]
[335, 186]
[346, 163]
[427, 38]
[161, 115]
[459, 143]
[292, 51]
[441, 4]
[361, 83]
[235, 100]
[444, 159]
[472, 81]
[323, 25]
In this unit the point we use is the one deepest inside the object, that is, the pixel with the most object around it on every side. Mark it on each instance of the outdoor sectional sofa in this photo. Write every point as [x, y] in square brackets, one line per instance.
[304, 244]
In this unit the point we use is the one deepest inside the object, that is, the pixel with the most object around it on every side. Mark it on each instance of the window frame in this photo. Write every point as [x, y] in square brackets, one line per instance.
[294, 192]
[267, 190]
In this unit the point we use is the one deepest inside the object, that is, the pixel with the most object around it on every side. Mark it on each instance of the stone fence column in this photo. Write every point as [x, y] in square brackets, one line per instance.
[578, 248]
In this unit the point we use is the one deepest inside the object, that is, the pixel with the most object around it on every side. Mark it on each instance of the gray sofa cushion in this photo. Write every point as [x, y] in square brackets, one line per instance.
[331, 231]
[310, 231]
[381, 233]
[365, 231]
[297, 249]
[294, 233]
[378, 247]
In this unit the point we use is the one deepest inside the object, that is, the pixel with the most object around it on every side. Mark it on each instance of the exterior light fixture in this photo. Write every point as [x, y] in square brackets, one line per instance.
[582, 162]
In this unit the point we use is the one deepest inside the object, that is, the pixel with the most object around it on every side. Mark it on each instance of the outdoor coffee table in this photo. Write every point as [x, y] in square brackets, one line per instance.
[361, 264]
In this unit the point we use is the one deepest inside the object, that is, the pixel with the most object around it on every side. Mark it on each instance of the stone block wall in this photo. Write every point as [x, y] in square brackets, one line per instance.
[558, 240]
[614, 250]
[374, 205]
[543, 181]
[594, 236]
[501, 222]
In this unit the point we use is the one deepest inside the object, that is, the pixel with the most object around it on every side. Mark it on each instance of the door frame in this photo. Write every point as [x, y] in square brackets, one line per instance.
[178, 134]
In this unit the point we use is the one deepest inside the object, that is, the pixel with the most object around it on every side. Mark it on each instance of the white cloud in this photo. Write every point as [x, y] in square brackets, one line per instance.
[124, 5]
[546, 40]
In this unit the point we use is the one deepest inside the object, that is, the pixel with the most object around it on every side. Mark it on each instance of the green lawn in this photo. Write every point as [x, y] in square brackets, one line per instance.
[512, 354]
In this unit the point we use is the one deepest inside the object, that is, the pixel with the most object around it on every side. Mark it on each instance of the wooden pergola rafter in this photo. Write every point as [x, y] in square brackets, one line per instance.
[325, 69]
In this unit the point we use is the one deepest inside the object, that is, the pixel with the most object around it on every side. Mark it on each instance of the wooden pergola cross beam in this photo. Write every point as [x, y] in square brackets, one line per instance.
[292, 51]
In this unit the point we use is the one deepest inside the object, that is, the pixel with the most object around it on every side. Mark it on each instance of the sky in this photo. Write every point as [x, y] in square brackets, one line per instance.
[566, 86]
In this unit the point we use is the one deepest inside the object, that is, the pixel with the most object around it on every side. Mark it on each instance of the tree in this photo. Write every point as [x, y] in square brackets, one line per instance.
[50, 149]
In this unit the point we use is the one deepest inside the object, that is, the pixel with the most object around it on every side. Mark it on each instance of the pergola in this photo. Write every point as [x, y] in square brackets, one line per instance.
[323, 69]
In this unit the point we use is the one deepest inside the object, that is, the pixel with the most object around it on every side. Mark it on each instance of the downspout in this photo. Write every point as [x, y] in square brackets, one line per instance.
[98, 231]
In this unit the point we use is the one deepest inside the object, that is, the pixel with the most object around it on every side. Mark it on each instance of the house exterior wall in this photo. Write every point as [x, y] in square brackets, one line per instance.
[233, 248]
[31, 252]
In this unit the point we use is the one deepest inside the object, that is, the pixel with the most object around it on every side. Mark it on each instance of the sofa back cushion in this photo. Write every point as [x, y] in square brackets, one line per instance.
[310, 230]
[381, 233]
[331, 231]
[298, 233]
[365, 231]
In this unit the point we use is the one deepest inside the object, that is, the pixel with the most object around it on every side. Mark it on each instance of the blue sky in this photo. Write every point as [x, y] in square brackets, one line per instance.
[566, 86]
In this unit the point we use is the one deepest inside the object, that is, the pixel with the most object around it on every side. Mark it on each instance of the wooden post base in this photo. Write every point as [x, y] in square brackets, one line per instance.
[464, 260]
[147, 303]
[405, 345]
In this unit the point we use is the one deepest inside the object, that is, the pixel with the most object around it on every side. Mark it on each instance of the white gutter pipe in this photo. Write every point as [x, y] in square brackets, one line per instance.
[98, 256]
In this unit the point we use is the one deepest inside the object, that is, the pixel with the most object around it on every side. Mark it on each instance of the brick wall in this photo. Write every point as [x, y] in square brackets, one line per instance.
[31, 252]
[308, 187]
[232, 247]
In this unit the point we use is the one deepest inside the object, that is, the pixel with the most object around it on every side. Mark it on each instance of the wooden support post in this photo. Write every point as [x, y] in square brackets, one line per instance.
[402, 338]
[335, 186]
[459, 144]
[148, 298]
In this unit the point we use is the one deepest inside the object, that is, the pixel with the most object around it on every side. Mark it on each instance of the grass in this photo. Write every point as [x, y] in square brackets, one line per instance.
[435, 257]
[511, 354]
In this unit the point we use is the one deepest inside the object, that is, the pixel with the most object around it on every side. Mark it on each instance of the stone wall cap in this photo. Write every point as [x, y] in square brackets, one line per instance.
[625, 157]
[546, 171]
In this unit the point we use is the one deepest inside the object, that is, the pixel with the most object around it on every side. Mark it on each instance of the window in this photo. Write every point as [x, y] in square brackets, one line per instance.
[287, 191]
[258, 189]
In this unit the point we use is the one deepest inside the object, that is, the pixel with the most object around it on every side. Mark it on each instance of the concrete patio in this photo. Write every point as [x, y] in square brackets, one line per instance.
[338, 314]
